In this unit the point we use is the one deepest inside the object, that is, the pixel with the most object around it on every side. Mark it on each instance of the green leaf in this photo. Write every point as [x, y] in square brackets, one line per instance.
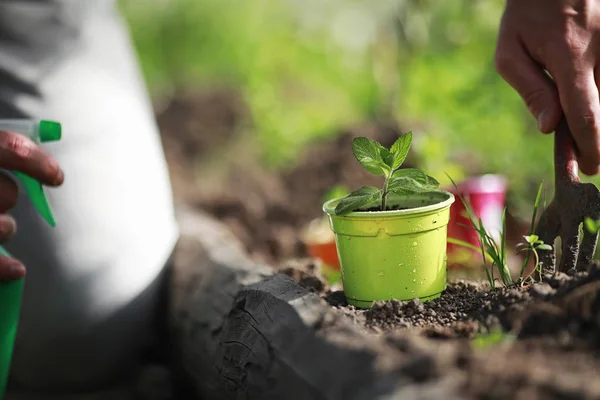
[411, 180]
[590, 224]
[368, 154]
[387, 157]
[536, 206]
[464, 244]
[531, 238]
[417, 175]
[362, 197]
[544, 246]
[400, 149]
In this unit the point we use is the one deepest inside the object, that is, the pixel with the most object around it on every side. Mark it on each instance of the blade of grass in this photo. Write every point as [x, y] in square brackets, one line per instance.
[502, 236]
[462, 243]
[536, 205]
[482, 235]
[506, 271]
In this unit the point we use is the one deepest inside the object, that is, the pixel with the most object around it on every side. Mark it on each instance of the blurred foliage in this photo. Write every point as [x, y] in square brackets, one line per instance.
[309, 67]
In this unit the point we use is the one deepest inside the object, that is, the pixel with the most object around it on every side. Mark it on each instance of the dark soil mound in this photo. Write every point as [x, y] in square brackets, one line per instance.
[534, 342]
[561, 306]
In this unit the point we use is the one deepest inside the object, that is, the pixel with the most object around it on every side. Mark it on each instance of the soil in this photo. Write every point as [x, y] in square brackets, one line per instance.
[536, 342]
[541, 341]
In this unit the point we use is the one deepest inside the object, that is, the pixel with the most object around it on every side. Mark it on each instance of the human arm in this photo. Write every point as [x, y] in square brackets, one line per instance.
[562, 38]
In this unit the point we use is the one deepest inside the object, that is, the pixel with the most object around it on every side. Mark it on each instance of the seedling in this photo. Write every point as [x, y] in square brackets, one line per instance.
[379, 160]
[533, 243]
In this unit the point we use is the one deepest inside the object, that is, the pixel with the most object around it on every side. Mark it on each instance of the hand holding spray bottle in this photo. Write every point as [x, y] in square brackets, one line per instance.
[11, 292]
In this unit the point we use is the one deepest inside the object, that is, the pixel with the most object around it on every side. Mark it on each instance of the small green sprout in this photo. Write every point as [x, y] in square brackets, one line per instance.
[532, 244]
[379, 160]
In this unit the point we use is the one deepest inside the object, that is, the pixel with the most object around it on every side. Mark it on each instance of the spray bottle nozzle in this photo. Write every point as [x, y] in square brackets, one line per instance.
[40, 132]
[49, 131]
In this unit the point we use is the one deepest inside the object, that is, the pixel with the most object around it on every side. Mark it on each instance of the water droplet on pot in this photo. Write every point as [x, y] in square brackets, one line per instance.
[414, 281]
[414, 270]
[400, 264]
[414, 244]
[381, 273]
[435, 221]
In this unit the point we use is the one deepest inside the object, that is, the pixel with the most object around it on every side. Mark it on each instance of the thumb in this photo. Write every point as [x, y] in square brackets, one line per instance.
[531, 82]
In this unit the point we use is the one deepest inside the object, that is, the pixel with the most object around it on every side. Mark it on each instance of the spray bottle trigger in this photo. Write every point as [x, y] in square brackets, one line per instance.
[37, 195]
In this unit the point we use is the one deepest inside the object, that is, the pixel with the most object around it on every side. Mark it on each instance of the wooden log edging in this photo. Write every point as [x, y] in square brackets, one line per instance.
[242, 331]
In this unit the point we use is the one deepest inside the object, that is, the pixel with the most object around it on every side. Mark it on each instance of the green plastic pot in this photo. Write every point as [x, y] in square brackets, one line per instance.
[397, 254]
[10, 299]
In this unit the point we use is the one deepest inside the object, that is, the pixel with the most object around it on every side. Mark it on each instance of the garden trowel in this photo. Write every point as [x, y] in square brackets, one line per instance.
[573, 202]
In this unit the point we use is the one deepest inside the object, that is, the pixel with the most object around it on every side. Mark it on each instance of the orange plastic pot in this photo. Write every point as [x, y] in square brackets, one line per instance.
[326, 252]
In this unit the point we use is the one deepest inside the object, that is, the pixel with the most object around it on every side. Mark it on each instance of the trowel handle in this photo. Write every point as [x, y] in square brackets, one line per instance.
[565, 161]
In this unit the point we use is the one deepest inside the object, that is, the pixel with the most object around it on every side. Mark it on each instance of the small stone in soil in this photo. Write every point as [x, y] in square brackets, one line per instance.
[336, 299]
[541, 290]
[312, 283]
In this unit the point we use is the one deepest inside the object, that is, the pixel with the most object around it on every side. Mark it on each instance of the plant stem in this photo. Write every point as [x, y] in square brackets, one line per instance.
[537, 262]
[385, 191]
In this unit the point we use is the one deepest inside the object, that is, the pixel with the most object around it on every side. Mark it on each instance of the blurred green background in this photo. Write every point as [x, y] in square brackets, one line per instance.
[306, 68]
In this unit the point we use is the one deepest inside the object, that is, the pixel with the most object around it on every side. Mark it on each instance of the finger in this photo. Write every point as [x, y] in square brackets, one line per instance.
[10, 269]
[9, 192]
[8, 227]
[19, 153]
[535, 87]
[581, 105]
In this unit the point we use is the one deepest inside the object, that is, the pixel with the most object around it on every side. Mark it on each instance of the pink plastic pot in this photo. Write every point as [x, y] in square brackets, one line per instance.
[487, 195]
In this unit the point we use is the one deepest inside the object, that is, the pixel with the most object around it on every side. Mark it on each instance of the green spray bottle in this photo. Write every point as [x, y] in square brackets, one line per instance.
[11, 292]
